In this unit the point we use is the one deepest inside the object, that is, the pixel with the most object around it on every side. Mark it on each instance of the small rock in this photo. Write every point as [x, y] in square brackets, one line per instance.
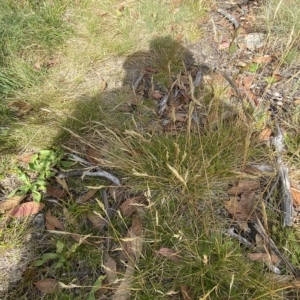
[252, 41]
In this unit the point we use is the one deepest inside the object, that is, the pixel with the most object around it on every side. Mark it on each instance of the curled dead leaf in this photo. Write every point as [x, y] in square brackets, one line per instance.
[47, 286]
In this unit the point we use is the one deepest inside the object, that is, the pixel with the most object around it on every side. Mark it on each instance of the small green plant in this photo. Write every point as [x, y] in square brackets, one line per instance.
[41, 166]
[254, 67]
[62, 255]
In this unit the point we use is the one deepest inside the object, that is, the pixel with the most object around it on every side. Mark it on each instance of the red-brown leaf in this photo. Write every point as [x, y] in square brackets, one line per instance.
[26, 209]
[128, 207]
[56, 192]
[89, 195]
[53, 222]
[47, 286]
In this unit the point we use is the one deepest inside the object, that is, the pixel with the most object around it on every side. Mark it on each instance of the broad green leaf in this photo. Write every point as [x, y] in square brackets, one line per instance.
[45, 152]
[34, 158]
[48, 256]
[23, 177]
[96, 286]
[59, 246]
[66, 164]
[37, 197]
[38, 263]
[34, 166]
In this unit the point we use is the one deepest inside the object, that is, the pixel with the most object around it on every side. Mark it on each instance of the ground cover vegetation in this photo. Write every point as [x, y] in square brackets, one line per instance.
[137, 156]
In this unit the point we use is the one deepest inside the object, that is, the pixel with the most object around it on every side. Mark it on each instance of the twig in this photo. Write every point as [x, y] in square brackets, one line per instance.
[162, 105]
[287, 201]
[138, 81]
[242, 240]
[109, 211]
[97, 172]
[228, 16]
[269, 242]
[80, 160]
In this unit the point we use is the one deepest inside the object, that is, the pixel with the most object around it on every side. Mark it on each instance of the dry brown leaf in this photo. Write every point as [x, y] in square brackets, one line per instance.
[89, 195]
[110, 267]
[265, 134]
[263, 257]
[11, 202]
[262, 59]
[185, 292]
[124, 289]
[26, 209]
[53, 222]
[133, 242]
[47, 286]
[132, 246]
[296, 101]
[128, 207]
[244, 209]
[243, 186]
[169, 253]
[296, 196]
[96, 220]
[56, 192]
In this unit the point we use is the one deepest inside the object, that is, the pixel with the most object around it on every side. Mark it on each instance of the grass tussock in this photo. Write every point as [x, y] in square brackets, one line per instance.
[55, 57]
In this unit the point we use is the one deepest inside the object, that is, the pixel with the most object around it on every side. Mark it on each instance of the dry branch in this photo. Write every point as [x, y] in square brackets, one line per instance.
[287, 201]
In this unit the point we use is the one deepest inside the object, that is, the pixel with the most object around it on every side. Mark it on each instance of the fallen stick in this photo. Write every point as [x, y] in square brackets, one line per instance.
[270, 243]
[228, 16]
[287, 201]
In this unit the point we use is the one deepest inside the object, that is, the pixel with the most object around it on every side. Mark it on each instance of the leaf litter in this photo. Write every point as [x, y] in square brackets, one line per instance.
[173, 108]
